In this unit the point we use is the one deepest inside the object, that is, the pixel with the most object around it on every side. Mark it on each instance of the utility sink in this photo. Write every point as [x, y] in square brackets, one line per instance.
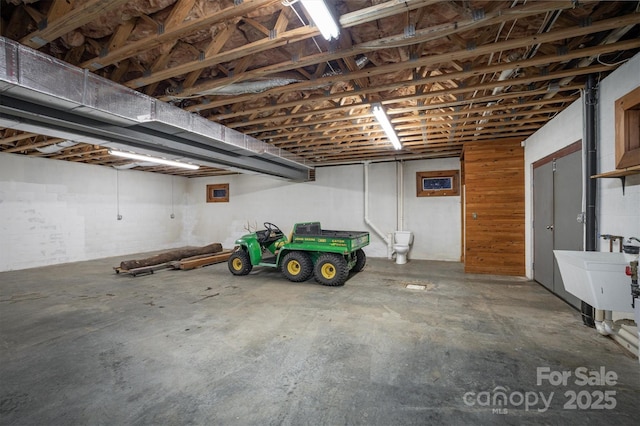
[597, 278]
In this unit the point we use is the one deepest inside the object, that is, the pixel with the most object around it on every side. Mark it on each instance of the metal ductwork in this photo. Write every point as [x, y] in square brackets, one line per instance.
[44, 95]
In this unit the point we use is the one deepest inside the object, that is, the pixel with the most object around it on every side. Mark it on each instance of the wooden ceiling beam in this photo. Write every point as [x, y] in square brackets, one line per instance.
[492, 108]
[38, 17]
[484, 120]
[260, 133]
[434, 136]
[77, 17]
[15, 138]
[458, 132]
[254, 48]
[179, 12]
[419, 96]
[386, 156]
[412, 129]
[77, 155]
[59, 8]
[281, 23]
[401, 40]
[534, 62]
[471, 138]
[257, 25]
[121, 34]
[337, 109]
[174, 33]
[34, 145]
[510, 108]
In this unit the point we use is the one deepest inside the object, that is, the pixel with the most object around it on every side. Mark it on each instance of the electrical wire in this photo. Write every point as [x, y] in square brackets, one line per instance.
[613, 64]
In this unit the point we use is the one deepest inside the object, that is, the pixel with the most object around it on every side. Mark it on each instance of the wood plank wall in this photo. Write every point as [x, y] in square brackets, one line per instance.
[494, 192]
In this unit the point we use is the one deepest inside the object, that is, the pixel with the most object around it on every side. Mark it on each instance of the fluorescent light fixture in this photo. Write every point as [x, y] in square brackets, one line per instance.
[382, 118]
[150, 159]
[323, 19]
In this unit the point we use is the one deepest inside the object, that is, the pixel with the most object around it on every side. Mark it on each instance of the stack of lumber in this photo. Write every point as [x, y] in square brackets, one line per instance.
[186, 258]
[202, 260]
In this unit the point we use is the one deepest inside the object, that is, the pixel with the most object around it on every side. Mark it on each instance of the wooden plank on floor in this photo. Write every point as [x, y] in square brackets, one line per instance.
[204, 260]
[142, 269]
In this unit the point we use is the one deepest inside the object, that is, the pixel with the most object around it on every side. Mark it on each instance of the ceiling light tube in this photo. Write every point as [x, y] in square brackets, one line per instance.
[150, 159]
[323, 19]
[382, 118]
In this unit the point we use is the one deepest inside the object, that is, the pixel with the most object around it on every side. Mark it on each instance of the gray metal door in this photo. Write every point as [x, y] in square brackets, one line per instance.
[567, 201]
[543, 225]
[557, 203]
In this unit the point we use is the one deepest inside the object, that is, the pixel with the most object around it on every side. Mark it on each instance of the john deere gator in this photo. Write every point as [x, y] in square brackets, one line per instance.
[310, 250]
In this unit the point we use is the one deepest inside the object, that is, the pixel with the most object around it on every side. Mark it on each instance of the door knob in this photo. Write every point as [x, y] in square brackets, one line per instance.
[550, 227]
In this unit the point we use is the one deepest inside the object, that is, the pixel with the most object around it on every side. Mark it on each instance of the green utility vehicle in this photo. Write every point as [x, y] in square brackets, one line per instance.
[311, 250]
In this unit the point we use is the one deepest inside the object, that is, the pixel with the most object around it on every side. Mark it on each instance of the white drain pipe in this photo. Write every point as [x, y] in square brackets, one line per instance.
[400, 192]
[604, 322]
[386, 238]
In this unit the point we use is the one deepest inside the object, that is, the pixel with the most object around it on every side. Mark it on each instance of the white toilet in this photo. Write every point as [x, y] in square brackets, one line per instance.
[402, 241]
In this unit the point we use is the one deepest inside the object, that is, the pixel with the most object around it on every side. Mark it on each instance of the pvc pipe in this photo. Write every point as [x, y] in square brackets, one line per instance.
[400, 192]
[604, 322]
[375, 229]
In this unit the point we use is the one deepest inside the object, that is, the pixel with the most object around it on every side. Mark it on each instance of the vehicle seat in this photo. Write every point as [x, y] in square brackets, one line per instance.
[266, 238]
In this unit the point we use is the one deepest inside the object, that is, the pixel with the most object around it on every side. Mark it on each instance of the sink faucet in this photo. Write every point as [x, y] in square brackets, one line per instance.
[633, 238]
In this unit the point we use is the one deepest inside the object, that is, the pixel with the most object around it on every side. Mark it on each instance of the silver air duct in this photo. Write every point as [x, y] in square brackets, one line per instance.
[44, 95]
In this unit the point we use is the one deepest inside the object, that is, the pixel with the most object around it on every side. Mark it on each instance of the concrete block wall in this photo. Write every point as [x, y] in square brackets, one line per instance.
[54, 212]
[336, 199]
[617, 213]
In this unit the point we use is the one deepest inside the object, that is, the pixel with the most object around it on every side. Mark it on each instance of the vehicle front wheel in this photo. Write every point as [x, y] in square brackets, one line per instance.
[331, 269]
[361, 260]
[239, 263]
[297, 266]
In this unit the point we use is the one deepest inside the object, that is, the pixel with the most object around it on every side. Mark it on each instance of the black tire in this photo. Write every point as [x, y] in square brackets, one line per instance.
[331, 269]
[297, 266]
[361, 260]
[239, 263]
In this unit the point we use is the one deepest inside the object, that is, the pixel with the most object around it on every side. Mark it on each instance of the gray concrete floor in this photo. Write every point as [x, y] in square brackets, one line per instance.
[80, 344]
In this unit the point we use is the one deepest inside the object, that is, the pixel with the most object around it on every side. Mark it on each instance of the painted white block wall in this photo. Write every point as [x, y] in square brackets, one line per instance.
[336, 199]
[563, 130]
[55, 212]
[617, 214]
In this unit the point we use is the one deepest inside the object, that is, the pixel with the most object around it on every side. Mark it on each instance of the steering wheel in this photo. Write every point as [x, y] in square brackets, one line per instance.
[272, 229]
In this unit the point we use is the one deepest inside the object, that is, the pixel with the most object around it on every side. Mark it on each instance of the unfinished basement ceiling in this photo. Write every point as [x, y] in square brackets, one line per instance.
[447, 72]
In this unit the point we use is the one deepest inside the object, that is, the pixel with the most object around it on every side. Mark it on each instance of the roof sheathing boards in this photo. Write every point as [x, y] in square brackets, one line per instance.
[50, 84]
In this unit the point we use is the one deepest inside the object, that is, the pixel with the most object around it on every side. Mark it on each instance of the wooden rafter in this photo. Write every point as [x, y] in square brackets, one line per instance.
[71, 20]
[447, 73]
[367, 47]
[175, 32]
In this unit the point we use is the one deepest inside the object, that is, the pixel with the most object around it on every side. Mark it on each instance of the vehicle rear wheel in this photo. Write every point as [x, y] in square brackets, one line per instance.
[331, 269]
[361, 260]
[297, 266]
[239, 263]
